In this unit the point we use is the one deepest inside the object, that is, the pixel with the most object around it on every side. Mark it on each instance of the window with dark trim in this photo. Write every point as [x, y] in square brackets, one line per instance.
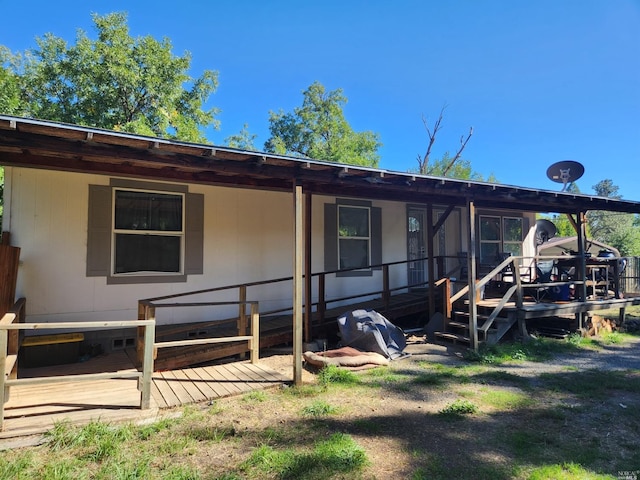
[148, 232]
[144, 232]
[499, 235]
[353, 237]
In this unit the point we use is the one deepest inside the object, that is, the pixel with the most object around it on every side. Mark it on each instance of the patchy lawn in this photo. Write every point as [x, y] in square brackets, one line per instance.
[574, 413]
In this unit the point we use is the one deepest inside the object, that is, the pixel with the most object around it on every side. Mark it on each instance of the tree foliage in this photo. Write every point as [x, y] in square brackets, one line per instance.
[244, 140]
[461, 168]
[9, 84]
[616, 229]
[319, 130]
[116, 82]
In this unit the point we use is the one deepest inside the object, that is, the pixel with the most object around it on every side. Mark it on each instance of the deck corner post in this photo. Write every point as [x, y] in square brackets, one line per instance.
[4, 390]
[147, 364]
[255, 333]
[298, 281]
[471, 263]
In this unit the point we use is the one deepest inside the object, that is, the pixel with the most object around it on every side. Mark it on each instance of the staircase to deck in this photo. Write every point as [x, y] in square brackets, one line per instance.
[457, 330]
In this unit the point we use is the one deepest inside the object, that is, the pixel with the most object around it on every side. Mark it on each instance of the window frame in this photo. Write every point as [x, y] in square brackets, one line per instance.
[331, 260]
[500, 242]
[354, 237]
[166, 233]
[100, 232]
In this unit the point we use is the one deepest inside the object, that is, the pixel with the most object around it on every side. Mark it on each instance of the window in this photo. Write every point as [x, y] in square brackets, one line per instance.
[144, 232]
[352, 237]
[499, 235]
[148, 232]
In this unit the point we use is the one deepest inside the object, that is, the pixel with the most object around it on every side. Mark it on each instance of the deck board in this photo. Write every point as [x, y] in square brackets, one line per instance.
[33, 409]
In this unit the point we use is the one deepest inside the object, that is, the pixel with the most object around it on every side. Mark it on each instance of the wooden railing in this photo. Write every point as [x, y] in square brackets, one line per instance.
[147, 311]
[515, 264]
[11, 326]
[385, 292]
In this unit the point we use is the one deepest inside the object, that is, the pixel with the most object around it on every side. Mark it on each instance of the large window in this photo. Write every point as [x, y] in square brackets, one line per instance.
[148, 231]
[499, 235]
[144, 232]
[354, 237]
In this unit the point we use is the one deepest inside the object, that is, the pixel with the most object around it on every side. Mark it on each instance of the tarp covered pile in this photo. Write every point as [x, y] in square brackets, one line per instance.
[368, 339]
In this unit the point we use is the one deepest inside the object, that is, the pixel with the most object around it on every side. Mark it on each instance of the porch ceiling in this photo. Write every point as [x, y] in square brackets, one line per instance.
[56, 146]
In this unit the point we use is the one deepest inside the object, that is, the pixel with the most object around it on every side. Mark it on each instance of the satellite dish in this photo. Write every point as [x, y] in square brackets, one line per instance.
[565, 172]
[544, 231]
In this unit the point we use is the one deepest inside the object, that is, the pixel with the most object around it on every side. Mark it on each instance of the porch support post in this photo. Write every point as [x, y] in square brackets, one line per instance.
[308, 299]
[298, 243]
[471, 268]
[431, 261]
[582, 262]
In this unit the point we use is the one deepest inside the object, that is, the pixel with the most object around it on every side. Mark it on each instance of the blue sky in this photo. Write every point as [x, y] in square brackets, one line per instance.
[540, 81]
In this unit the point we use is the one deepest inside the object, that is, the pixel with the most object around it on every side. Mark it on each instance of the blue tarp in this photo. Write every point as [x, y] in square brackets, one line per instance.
[369, 331]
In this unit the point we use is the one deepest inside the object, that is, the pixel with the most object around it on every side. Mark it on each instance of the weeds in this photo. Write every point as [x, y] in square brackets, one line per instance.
[536, 350]
[318, 409]
[334, 375]
[459, 408]
[256, 396]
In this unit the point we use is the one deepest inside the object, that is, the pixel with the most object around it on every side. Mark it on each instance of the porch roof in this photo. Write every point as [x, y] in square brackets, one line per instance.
[56, 146]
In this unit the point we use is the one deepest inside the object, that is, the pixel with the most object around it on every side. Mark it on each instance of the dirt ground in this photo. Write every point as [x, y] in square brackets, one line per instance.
[413, 434]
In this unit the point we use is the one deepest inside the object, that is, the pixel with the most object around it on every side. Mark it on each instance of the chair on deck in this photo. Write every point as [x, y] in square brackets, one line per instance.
[544, 274]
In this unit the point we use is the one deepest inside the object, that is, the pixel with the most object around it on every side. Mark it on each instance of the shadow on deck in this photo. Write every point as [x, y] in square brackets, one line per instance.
[34, 409]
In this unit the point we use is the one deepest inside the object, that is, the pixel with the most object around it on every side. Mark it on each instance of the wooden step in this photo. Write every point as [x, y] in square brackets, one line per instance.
[456, 324]
[453, 337]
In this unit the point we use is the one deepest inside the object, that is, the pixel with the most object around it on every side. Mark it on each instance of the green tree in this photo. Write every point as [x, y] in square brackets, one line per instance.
[243, 140]
[9, 84]
[319, 130]
[116, 82]
[616, 229]
[461, 168]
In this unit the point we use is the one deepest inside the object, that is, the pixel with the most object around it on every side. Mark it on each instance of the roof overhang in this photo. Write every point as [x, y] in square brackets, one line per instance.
[56, 146]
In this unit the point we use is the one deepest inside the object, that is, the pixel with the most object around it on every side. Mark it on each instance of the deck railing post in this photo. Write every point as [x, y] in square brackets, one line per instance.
[386, 294]
[322, 302]
[242, 314]
[4, 390]
[446, 298]
[147, 364]
[255, 332]
[140, 330]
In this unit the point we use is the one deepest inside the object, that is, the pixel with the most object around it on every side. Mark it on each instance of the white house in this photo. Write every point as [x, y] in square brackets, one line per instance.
[104, 219]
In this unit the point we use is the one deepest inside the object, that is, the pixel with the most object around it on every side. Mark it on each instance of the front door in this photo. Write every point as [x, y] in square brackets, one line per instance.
[416, 245]
[447, 244]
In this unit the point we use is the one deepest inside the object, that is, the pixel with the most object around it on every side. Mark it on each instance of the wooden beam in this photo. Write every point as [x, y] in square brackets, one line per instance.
[473, 306]
[442, 219]
[308, 279]
[298, 246]
[431, 261]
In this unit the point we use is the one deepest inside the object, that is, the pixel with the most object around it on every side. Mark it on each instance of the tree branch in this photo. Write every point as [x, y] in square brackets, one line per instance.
[463, 143]
[424, 161]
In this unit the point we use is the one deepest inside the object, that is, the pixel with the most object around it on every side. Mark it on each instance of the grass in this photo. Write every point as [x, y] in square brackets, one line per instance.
[337, 455]
[472, 420]
[318, 408]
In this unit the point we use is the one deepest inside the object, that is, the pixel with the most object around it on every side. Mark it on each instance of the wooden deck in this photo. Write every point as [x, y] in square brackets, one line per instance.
[275, 329]
[530, 309]
[33, 409]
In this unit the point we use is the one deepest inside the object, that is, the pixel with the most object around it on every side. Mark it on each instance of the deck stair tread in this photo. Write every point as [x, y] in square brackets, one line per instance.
[454, 337]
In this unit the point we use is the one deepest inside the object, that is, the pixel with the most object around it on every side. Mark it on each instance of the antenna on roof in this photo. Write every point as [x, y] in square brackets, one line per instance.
[565, 172]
